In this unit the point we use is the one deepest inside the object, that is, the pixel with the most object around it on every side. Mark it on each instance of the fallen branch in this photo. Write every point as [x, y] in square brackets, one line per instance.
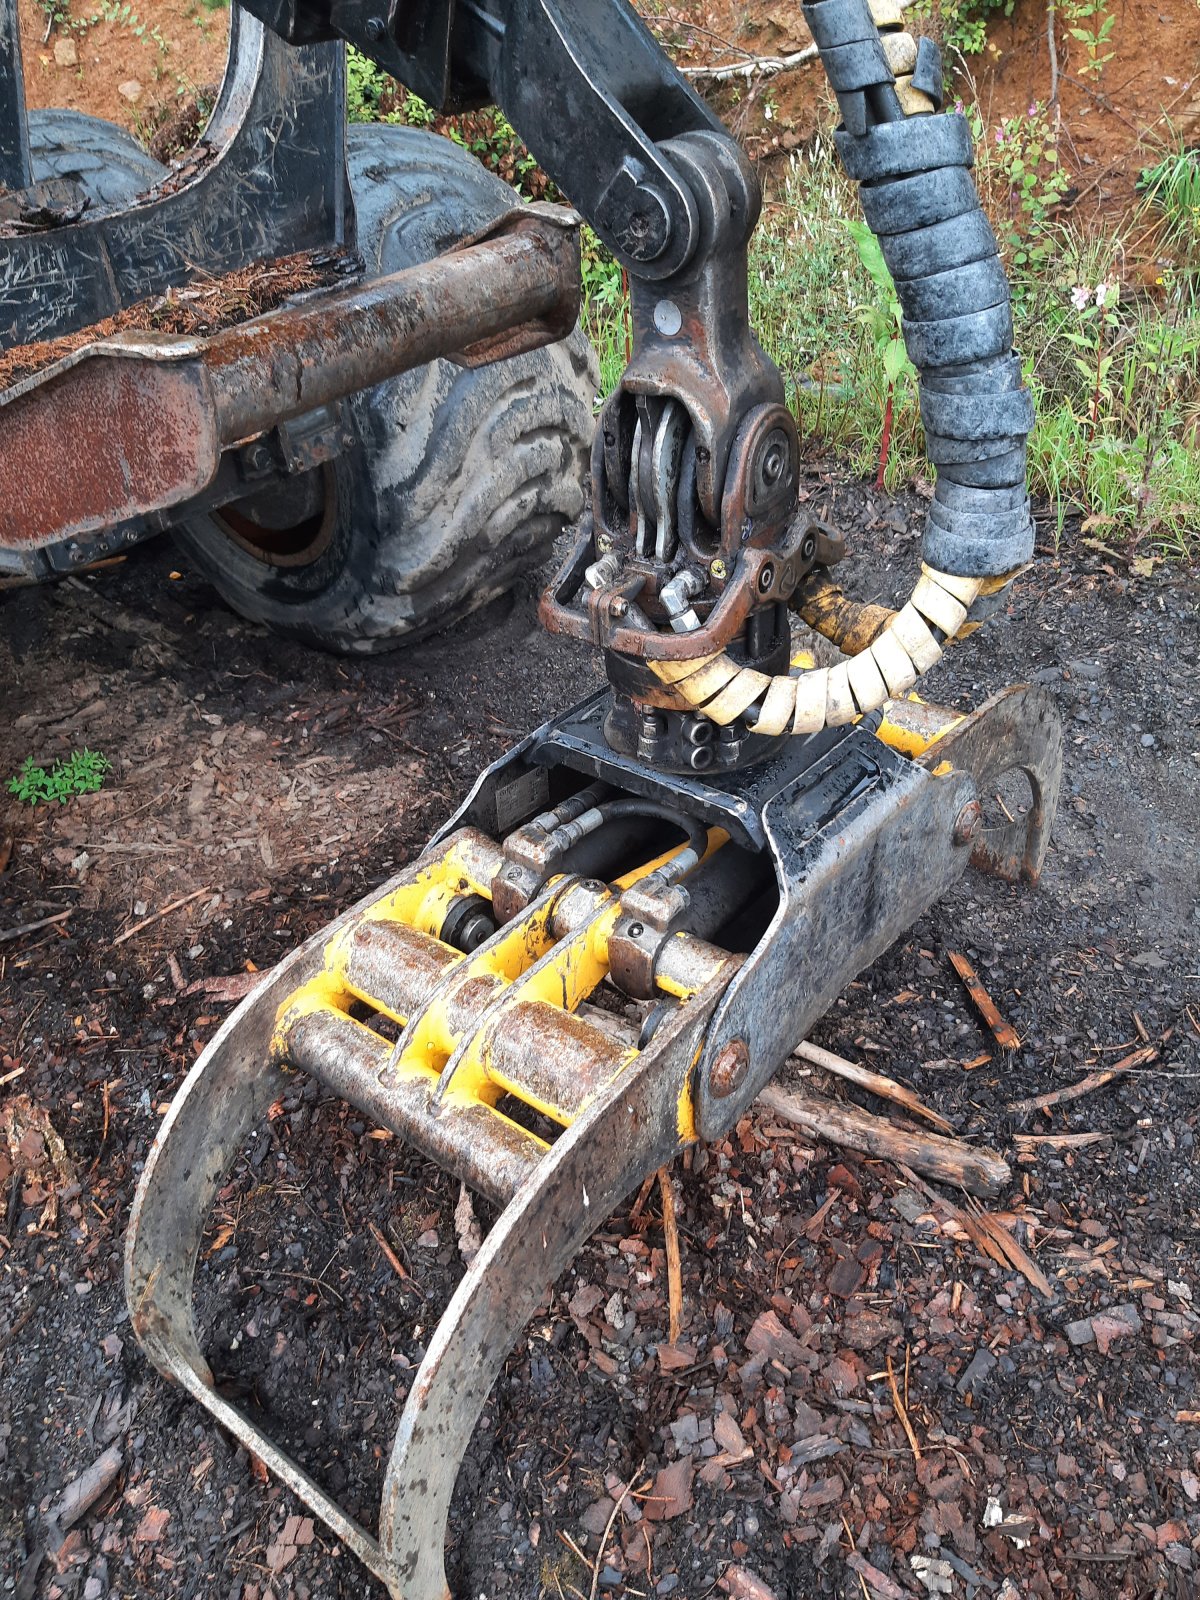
[32, 927]
[1093, 1081]
[980, 1172]
[1006, 1035]
[885, 1088]
[761, 66]
[156, 916]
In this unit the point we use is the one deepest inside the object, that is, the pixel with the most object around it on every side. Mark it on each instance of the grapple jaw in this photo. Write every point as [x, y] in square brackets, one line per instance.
[467, 1006]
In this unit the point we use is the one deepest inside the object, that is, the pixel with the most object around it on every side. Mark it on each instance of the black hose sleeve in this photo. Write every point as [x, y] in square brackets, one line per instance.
[919, 198]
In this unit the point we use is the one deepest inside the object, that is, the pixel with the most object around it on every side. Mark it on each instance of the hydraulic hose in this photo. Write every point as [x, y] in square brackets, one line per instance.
[913, 168]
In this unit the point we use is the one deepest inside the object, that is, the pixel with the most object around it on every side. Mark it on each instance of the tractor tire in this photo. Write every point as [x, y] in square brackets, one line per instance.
[458, 481]
[108, 164]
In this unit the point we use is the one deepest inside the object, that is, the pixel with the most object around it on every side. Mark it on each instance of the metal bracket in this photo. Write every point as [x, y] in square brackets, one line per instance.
[271, 169]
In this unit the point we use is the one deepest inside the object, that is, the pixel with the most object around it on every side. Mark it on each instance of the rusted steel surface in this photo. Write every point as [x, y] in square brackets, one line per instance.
[147, 418]
[1017, 730]
[397, 967]
[553, 1058]
[484, 1149]
[268, 178]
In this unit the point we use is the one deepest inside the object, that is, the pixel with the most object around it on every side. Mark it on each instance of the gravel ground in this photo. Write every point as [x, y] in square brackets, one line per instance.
[257, 791]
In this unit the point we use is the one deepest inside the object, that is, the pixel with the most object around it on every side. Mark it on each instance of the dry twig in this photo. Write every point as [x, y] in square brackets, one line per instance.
[1093, 1081]
[885, 1088]
[901, 1412]
[157, 916]
[674, 1274]
[1006, 1035]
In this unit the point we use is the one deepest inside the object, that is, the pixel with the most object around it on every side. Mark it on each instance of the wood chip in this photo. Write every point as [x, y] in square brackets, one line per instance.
[670, 1495]
[1006, 1250]
[879, 1581]
[83, 1492]
[742, 1584]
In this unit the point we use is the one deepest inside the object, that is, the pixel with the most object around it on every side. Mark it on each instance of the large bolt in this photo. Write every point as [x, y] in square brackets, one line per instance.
[729, 1069]
[968, 823]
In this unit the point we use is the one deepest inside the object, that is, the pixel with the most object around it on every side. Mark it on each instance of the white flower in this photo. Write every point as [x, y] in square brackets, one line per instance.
[1080, 296]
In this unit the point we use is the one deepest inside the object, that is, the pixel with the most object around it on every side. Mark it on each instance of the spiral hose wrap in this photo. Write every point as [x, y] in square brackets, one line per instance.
[913, 168]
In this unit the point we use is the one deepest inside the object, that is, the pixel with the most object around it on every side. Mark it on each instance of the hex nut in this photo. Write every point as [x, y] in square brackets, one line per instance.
[968, 823]
[729, 1069]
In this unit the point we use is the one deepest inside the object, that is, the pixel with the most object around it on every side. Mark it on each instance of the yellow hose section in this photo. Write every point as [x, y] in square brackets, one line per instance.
[901, 51]
[850, 624]
[827, 697]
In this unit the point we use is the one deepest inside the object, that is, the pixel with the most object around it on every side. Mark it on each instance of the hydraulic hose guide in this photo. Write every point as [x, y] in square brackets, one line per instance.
[912, 164]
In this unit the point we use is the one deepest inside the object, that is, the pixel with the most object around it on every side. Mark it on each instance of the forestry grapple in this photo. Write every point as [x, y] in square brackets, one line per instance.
[715, 844]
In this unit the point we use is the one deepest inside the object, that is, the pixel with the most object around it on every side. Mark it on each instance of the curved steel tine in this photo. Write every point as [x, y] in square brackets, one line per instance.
[631, 1130]
[224, 1097]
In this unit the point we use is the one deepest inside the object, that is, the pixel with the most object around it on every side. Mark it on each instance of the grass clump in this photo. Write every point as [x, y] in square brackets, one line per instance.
[1113, 361]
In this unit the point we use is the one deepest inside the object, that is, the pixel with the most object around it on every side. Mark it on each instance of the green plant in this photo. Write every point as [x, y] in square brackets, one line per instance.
[82, 773]
[1171, 188]
[1020, 181]
[56, 13]
[963, 24]
[1091, 23]
[882, 320]
[1115, 382]
[124, 16]
[370, 92]
[605, 308]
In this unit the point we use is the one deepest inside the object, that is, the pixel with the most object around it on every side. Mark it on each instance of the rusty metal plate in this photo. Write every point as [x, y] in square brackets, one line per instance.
[847, 890]
[100, 438]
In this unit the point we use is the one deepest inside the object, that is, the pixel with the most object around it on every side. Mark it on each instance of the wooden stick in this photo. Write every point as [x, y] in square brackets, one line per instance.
[886, 1088]
[1032, 1142]
[979, 1171]
[156, 915]
[901, 1412]
[1094, 1080]
[767, 66]
[674, 1272]
[32, 927]
[389, 1255]
[1006, 1035]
